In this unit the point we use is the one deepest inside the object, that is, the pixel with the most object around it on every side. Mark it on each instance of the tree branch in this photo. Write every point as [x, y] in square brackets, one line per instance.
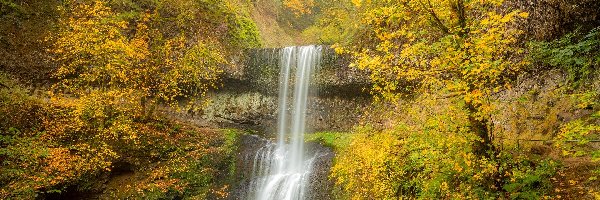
[436, 19]
[451, 95]
[459, 9]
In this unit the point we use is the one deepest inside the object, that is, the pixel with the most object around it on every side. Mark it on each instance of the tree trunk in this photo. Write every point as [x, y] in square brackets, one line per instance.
[484, 147]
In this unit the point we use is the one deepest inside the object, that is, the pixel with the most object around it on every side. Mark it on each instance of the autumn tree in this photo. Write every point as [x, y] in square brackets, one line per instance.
[113, 64]
[335, 23]
[96, 55]
[465, 48]
[440, 62]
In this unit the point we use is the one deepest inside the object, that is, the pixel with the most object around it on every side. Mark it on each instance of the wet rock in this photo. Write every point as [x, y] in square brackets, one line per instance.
[319, 186]
[248, 97]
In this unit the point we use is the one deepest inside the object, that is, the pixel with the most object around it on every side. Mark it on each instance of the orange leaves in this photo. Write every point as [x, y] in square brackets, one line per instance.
[299, 7]
[77, 140]
[112, 69]
[62, 166]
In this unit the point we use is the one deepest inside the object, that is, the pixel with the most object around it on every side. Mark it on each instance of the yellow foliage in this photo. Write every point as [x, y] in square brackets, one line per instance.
[51, 145]
[96, 54]
[462, 46]
[299, 7]
[428, 154]
[112, 70]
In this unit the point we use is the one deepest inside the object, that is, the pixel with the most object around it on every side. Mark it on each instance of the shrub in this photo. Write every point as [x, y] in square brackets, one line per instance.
[575, 53]
[430, 155]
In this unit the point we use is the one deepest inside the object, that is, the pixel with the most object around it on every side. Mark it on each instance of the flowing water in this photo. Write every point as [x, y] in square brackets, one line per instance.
[281, 168]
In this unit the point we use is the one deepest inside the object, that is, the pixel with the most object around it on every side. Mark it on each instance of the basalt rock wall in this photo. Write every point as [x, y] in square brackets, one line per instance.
[248, 97]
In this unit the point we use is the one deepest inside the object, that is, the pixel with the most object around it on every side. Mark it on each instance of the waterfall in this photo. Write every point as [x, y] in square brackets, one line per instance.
[281, 170]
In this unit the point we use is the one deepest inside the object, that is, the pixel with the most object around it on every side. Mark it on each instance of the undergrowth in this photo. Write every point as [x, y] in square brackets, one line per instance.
[73, 145]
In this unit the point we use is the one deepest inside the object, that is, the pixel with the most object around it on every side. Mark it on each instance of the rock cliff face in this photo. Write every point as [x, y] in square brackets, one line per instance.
[549, 19]
[248, 98]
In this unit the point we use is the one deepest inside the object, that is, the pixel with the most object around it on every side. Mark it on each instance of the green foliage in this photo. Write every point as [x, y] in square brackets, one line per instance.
[529, 179]
[335, 140]
[231, 146]
[575, 53]
[24, 14]
[19, 151]
[245, 33]
[7, 6]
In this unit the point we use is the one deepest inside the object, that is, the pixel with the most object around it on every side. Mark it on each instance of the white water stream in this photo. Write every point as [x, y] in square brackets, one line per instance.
[281, 169]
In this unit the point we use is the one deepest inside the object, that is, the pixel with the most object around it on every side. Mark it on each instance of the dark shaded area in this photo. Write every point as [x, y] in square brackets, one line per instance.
[319, 185]
[550, 19]
[25, 27]
[70, 192]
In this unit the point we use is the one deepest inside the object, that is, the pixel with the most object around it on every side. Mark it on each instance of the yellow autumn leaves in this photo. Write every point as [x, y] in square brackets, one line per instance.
[434, 52]
[428, 45]
[95, 54]
[299, 7]
[427, 155]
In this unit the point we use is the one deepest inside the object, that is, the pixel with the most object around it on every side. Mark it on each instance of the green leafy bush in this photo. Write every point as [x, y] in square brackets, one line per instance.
[576, 53]
[529, 179]
[335, 140]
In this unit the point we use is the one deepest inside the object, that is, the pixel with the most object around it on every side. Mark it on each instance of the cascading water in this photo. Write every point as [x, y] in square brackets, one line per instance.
[281, 170]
